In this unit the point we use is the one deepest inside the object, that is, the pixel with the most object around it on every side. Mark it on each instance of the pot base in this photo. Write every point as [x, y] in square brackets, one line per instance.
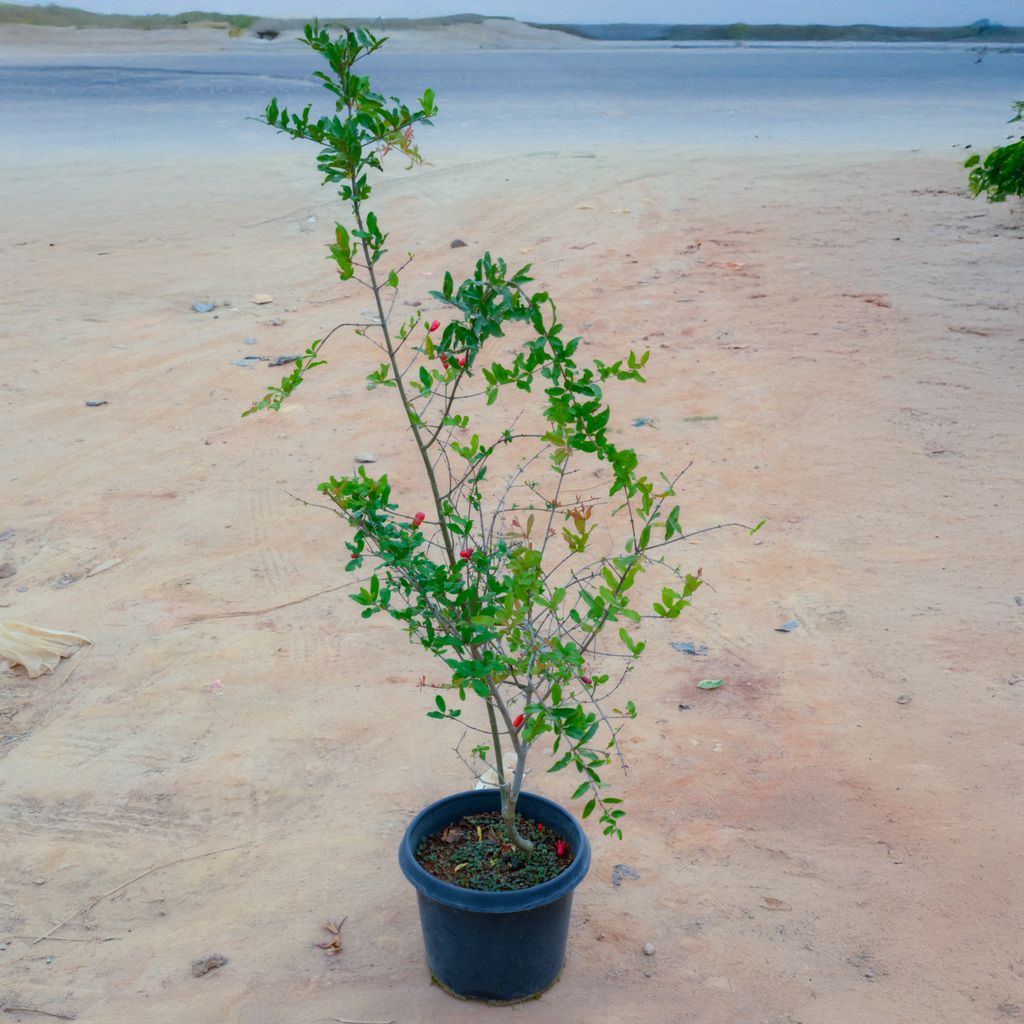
[495, 1002]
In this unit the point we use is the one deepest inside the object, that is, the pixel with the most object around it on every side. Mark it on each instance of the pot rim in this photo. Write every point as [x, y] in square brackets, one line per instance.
[510, 900]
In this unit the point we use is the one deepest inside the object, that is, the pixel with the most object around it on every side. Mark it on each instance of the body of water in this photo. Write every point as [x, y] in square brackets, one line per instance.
[849, 97]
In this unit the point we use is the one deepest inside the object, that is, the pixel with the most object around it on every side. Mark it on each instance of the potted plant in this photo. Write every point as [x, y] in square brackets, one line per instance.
[502, 575]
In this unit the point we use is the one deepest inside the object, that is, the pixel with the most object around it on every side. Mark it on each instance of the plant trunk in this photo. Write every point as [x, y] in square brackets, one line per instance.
[508, 816]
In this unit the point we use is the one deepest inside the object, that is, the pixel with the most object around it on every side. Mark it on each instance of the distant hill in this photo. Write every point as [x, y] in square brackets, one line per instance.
[54, 15]
[72, 17]
[979, 32]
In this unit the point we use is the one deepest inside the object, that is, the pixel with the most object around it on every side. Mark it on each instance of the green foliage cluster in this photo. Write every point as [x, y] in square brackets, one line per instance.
[497, 578]
[1001, 173]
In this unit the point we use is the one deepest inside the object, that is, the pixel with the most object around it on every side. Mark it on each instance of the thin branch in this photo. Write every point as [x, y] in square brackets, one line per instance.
[44, 1013]
[348, 1020]
[697, 533]
[192, 620]
[135, 878]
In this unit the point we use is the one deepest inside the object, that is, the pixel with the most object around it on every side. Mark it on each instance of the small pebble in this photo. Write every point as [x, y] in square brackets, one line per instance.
[276, 321]
[648, 949]
[95, 403]
[904, 698]
[249, 341]
[365, 458]
[203, 307]
[7, 570]
[207, 964]
[458, 243]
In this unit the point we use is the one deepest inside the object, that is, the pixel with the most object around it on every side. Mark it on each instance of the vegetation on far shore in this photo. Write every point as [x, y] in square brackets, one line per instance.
[981, 32]
[56, 16]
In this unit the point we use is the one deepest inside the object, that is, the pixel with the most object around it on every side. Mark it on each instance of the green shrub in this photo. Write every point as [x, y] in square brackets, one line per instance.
[1001, 173]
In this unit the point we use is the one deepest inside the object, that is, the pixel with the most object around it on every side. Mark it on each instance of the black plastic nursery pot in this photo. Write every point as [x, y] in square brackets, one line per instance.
[501, 947]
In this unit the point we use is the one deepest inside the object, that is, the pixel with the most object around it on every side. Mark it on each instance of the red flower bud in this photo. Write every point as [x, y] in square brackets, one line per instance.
[466, 553]
[586, 681]
[444, 361]
[540, 827]
[434, 326]
[561, 847]
[519, 719]
[417, 519]
[462, 361]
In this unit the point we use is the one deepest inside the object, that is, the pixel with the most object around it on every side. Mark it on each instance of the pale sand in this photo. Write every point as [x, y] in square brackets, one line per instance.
[29, 43]
[832, 837]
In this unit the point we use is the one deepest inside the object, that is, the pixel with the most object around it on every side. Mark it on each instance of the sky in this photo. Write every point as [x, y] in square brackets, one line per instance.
[829, 12]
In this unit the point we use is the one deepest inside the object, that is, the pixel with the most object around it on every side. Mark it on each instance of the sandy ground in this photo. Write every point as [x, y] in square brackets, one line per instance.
[832, 837]
[30, 43]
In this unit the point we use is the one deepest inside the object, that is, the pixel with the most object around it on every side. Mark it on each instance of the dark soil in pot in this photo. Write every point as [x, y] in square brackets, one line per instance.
[474, 853]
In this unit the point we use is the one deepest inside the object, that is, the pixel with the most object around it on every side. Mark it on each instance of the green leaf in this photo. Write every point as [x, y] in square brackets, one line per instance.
[758, 527]
[439, 701]
[393, 279]
[589, 809]
[582, 789]
[710, 684]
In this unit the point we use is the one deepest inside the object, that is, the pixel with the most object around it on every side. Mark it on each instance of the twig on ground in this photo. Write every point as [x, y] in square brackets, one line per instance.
[266, 611]
[32, 1009]
[346, 1020]
[124, 885]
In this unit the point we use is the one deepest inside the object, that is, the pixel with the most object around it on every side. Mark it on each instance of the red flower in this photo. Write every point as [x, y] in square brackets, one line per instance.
[434, 326]
[540, 827]
[462, 361]
[444, 361]
[519, 719]
[417, 519]
[466, 553]
[561, 847]
[586, 681]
